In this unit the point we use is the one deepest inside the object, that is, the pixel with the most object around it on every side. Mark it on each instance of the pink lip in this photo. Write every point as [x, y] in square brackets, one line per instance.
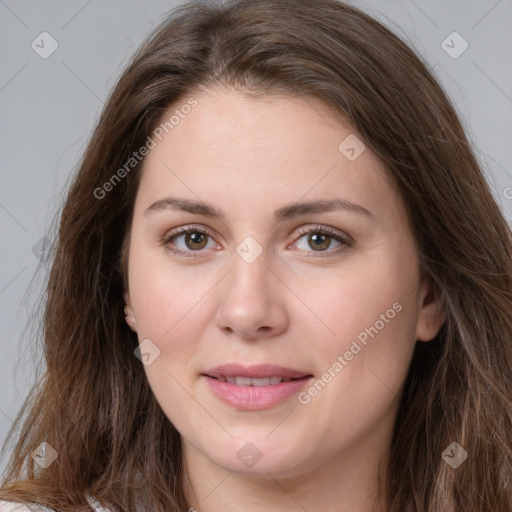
[254, 398]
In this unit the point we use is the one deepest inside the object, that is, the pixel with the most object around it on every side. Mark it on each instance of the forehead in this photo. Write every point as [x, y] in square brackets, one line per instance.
[280, 148]
[280, 121]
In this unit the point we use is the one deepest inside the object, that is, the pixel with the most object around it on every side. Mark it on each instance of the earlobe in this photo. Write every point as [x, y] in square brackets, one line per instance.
[129, 314]
[432, 314]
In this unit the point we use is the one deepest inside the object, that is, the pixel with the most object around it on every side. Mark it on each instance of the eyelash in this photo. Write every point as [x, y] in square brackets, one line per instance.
[346, 241]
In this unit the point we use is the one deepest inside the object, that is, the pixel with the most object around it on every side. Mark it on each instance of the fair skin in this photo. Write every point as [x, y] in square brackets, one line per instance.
[250, 157]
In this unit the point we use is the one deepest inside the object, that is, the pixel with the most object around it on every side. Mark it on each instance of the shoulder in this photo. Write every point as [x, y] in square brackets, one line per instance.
[11, 506]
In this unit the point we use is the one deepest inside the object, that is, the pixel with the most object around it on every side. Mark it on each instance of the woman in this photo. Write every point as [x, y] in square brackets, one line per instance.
[280, 216]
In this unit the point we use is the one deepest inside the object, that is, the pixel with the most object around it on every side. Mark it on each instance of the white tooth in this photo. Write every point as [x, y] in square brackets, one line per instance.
[265, 381]
[243, 381]
[257, 382]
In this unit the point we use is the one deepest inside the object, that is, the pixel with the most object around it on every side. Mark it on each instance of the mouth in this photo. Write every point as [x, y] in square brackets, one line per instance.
[254, 387]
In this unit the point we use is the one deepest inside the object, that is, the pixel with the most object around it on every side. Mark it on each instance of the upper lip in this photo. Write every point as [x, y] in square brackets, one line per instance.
[255, 371]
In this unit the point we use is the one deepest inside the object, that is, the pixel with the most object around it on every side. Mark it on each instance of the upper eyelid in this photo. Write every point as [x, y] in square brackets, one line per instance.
[301, 230]
[319, 227]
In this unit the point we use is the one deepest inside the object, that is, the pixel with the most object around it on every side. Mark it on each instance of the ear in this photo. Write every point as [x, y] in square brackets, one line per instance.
[130, 316]
[432, 312]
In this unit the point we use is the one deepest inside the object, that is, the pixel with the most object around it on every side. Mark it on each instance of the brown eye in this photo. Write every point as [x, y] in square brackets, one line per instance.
[195, 240]
[319, 241]
[186, 241]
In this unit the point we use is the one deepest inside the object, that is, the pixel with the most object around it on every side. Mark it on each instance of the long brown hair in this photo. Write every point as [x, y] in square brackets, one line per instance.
[94, 406]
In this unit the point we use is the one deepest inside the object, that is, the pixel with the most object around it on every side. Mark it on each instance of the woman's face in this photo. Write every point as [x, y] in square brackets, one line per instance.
[259, 281]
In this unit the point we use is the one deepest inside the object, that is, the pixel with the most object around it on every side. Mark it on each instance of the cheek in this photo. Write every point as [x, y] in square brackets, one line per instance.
[168, 298]
[373, 315]
[364, 354]
[372, 293]
[170, 311]
[362, 366]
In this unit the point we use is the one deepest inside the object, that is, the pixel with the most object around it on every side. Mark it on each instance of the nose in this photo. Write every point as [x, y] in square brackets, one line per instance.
[252, 300]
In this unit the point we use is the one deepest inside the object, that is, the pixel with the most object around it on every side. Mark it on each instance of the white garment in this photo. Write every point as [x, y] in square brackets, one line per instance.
[11, 506]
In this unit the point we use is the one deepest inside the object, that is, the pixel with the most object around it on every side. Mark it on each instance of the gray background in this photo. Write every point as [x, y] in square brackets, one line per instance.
[48, 108]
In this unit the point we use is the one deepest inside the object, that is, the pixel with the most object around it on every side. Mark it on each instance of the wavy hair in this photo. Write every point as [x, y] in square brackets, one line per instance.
[93, 404]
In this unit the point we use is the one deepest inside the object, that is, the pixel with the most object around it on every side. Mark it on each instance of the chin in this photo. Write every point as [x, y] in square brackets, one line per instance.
[259, 457]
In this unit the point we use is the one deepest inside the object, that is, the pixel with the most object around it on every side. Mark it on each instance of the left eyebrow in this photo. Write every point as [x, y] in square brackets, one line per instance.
[293, 210]
[285, 212]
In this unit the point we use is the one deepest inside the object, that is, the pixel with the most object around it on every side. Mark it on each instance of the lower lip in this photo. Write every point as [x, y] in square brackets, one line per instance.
[254, 398]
